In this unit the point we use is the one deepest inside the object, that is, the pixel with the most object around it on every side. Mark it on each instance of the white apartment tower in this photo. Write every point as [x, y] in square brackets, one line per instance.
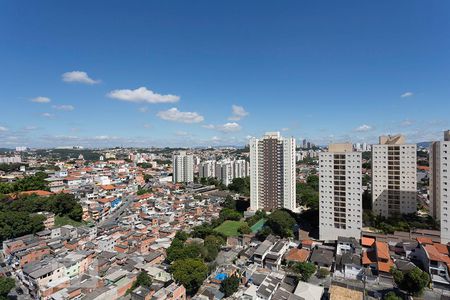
[241, 168]
[272, 172]
[340, 193]
[394, 176]
[224, 172]
[440, 184]
[183, 167]
[207, 169]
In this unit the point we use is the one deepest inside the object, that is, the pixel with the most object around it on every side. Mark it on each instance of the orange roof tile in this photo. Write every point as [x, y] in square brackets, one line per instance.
[367, 241]
[443, 249]
[299, 255]
[368, 258]
[307, 242]
[37, 192]
[424, 240]
[434, 254]
[108, 187]
[105, 200]
[382, 250]
[385, 266]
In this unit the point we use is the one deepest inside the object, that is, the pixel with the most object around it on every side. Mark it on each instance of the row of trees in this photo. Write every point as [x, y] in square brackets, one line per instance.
[308, 193]
[399, 223]
[18, 217]
[36, 182]
[189, 258]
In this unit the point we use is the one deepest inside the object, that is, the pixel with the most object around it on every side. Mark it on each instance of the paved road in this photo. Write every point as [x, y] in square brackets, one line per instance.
[113, 218]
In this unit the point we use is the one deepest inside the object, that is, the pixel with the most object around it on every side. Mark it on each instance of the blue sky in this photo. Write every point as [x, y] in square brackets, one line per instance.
[192, 73]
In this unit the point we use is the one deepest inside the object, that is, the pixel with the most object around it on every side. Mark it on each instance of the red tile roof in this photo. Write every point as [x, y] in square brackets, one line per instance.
[382, 250]
[424, 240]
[443, 249]
[37, 192]
[368, 258]
[367, 241]
[298, 255]
[434, 254]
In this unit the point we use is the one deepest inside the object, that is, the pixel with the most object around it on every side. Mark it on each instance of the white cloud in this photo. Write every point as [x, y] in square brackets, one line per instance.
[229, 127]
[78, 76]
[3, 129]
[65, 107]
[47, 115]
[285, 129]
[41, 99]
[142, 94]
[238, 113]
[104, 137]
[30, 128]
[182, 133]
[143, 109]
[175, 115]
[407, 94]
[147, 125]
[363, 128]
[406, 123]
[209, 126]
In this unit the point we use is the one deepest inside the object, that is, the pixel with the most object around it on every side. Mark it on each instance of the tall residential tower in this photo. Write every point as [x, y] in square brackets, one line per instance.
[440, 184]
[183, 167]
[394, 176]
[272, 172]
[340, 193]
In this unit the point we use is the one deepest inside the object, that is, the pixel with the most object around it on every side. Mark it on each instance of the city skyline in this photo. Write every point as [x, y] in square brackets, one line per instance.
[88, 76]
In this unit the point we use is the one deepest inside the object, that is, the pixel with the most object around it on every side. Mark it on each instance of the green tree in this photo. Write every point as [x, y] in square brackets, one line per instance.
[281, 223]
[182, 235]
[230, 214]
[304, 269]
[244, 229]
[6, 285]
[229, 203]
[322, 273]
[240, 185]
[391, 296]
[413, 281]
[142, 191]
[143, 279]
[230, 285]
[189, 272]
[145, 165]
[313, 182]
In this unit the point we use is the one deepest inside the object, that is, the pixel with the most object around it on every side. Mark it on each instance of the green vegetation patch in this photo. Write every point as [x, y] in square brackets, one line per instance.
[229, 228]
[65, 220]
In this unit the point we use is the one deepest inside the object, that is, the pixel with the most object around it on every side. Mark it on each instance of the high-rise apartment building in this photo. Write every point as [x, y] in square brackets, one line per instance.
[224, 172]
[272, 172]
[207, 169]
[183, 167]
[394, 176]
[340, 192]
[241, 168]
[440, 184]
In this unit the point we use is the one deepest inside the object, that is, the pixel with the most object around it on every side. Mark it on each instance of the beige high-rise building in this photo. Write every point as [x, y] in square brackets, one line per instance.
[440, 184]
[394, 176]
[183, 167]
[340, 193]
[272, 172]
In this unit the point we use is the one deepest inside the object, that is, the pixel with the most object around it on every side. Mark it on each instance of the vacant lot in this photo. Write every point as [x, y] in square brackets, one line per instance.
[229, 228]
